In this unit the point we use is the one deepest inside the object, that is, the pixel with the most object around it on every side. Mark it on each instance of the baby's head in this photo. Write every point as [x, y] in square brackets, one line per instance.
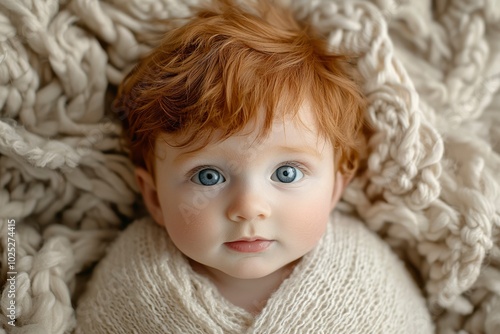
[243, 126]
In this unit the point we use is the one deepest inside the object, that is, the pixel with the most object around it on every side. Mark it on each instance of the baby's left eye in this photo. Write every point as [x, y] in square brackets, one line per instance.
[208, 177]
[287, 174]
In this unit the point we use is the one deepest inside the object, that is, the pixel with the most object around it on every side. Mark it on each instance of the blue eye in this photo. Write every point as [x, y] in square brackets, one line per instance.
[287, 174]
[208, 177]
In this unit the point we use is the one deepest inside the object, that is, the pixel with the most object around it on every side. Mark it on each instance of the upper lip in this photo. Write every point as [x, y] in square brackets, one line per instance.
[249, 239]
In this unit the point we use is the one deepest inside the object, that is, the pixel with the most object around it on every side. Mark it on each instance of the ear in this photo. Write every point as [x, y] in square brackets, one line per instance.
[149, 194]
[340, 183]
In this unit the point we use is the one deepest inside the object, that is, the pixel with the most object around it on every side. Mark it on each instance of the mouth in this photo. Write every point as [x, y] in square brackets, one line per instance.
[249, 245]
[256, 238]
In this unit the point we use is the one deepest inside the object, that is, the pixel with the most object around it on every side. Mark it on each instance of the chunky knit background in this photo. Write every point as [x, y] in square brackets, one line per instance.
[431, 72]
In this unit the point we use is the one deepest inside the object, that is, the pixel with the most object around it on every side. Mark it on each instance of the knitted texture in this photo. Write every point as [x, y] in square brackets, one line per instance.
[431, 189]
[350, 283]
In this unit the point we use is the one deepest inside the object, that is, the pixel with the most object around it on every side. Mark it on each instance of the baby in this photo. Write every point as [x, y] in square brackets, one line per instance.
[245, 130]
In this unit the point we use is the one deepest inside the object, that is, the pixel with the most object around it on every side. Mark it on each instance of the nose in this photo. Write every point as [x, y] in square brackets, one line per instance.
[248, 204]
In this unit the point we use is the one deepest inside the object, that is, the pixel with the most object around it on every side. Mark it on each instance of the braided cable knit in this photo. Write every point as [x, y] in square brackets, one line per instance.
[461, 91]
[431, 73]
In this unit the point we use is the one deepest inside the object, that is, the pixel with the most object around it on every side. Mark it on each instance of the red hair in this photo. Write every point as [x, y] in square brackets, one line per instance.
[227, 64]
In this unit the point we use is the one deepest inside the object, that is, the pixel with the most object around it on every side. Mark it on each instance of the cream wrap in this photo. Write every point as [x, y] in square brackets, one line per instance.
[350, 283]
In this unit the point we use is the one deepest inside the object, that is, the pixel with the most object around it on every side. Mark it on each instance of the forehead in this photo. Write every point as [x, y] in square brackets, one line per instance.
[287, 129]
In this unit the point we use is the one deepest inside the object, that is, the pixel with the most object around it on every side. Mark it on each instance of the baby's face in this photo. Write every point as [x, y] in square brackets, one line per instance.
[248, 208]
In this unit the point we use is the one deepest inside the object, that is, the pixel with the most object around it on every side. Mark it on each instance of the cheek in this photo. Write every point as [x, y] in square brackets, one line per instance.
[308, 220]
[190, 219]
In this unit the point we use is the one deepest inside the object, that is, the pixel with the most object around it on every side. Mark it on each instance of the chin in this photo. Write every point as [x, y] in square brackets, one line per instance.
[248, 275]
[249, 271]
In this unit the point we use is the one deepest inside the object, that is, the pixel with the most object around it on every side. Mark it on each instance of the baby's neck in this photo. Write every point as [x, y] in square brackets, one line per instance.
[249, 294]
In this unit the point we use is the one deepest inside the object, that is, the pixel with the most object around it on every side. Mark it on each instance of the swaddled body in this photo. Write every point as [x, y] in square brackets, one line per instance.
[245, 131]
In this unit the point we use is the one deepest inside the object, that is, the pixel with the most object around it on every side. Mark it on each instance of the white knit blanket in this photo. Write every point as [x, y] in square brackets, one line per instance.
[146, 285]
[432, 189]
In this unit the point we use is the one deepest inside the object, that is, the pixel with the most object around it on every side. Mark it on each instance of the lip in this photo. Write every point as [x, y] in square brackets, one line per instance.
[249, 245]
[256, 238]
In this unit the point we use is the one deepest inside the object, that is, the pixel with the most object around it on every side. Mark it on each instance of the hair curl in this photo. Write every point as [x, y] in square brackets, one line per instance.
[227, 64]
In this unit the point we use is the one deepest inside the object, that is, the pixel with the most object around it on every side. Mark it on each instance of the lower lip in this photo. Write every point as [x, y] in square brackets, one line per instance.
[249, 246]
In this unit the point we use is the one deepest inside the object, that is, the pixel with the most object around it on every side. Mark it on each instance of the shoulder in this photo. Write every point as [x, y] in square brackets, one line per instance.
[141, 244]
[349, 232]
[121, 278]
[384, 288]
[356, 244]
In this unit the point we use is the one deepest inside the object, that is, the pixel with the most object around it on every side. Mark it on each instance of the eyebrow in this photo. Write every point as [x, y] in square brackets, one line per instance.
[286, 149]
[300, 150]
[185, 156]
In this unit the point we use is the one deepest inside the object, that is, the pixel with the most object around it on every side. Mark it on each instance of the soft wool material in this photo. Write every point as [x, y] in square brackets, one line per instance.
[431, 70]
[350, 283]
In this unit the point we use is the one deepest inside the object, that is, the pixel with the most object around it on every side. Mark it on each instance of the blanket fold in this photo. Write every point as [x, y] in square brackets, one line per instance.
[431, 190]
[350, 283]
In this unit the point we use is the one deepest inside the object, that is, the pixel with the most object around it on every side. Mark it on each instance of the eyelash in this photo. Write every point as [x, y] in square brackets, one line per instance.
[300, 165]
[194, 171]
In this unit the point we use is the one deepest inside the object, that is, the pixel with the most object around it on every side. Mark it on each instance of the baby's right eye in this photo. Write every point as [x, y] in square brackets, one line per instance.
[208, 177]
